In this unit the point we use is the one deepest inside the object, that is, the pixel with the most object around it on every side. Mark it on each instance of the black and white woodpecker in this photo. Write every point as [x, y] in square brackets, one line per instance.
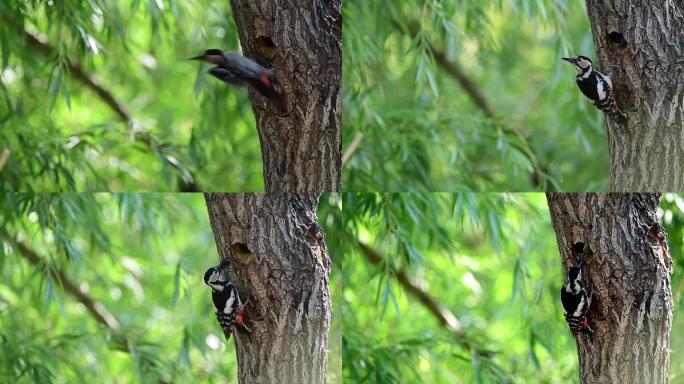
[596, 86]
[228, 307]
[240, 71]
[576, 295]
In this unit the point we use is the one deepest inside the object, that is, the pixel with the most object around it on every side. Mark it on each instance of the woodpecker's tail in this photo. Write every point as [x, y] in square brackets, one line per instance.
[610, 108]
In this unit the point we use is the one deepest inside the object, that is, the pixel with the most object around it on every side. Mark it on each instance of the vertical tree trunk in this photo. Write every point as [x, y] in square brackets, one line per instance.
[278, 259]
[630, 270]
[641, 45]
[301, 142]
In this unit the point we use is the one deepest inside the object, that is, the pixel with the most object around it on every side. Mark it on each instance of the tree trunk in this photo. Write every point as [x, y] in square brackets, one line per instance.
[301, 141]
[279, 261]
[629, 268]
[641, 45]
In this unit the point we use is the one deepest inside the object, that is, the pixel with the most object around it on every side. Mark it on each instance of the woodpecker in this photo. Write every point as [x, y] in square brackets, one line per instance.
[576, 297]
[596, 86]
[240, 71]
[227, 304]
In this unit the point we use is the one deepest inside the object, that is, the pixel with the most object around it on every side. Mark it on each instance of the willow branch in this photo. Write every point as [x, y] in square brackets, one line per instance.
[187, 183]
[478, 98]
[96, 310]
[79, 74]
[443, 315]
[99, 312]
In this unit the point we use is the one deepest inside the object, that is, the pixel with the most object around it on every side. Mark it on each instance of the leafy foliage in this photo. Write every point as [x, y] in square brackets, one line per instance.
[489, 260]
[423, 130]
[174, 127]
[139, 258]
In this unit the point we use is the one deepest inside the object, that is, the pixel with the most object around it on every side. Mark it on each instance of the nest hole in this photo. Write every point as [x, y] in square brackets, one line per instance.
[615, 38]
[579, 248]
[266, 48]
[241, 251]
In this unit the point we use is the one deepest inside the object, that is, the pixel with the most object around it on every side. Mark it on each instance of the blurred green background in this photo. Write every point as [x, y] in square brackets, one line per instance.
[139, 257]
[62, 136]
[408, 66]
[486, 263]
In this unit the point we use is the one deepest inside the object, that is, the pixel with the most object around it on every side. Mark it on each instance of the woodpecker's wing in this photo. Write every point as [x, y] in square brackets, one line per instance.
[226, 76]
[606, 79]
[570, 302]
[252, 72]
[603, 86]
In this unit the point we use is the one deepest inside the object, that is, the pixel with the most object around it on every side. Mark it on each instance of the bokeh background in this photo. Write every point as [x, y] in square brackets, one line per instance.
[139, 259]
[178, 124]
[464, 288]
[465, 95]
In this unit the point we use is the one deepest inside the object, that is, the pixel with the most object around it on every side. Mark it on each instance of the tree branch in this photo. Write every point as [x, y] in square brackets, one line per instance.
[481, 102]
[79, 74]
[98, 311]
[186, 180]
[443, 315]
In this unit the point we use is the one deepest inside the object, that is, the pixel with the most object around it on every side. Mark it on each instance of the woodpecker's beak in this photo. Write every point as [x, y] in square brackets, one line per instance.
[572, 60]
[200, 57]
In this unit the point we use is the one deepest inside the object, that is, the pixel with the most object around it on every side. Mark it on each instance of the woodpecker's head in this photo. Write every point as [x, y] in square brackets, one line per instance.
[582, 63]
[574, 279]
[212, 278]
[213, 56]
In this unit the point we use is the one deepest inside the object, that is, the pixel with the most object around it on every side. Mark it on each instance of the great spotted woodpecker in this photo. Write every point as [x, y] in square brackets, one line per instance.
[227, 304]
[596, 86]
[240, 71]
[576, 294]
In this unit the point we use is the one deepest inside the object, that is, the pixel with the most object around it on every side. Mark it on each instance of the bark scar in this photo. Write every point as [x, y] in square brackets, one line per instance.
[661, 245]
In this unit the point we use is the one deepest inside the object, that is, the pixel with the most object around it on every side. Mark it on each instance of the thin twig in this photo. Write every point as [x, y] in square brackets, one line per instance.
[185, 184]
[3, 157]
[352, 147]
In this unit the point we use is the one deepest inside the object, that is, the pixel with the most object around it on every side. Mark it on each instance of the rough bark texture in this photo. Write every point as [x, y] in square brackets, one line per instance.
[630, 270]
[641, 46]
[301, 141]
[280, 262]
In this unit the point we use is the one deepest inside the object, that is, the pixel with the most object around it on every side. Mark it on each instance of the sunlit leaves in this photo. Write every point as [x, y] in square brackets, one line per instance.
[486, 258]
[423, 132]
[140, 260]
[63, 133]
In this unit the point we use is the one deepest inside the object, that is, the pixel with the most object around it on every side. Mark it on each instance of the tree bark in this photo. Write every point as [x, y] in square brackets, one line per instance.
[629, 268]
[641, 46]
[301, 140]
[279, 261]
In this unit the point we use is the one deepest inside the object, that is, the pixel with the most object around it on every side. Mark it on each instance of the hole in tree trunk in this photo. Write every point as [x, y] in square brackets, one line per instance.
[616, 39]
[579, 248]
[241, 252]
[266, 48]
